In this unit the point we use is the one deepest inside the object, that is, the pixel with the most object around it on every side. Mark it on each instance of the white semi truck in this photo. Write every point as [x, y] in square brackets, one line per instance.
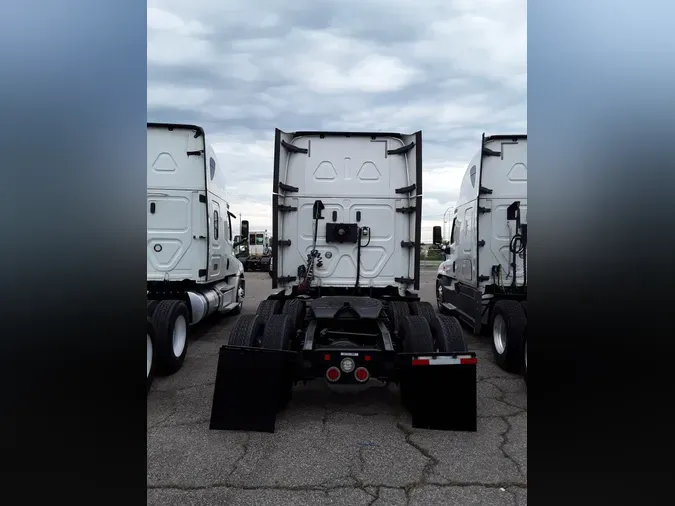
[484, 280]
[346, 219]
[259, 251]
[192, 271]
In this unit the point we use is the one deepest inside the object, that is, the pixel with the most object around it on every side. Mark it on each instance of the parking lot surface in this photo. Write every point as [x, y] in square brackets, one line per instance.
[353, 447]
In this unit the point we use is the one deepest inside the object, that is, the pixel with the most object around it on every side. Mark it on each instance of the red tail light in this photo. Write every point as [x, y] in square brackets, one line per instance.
[333, 374]
[361, 374]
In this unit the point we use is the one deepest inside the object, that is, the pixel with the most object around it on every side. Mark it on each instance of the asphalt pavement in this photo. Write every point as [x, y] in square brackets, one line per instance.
[332, 448]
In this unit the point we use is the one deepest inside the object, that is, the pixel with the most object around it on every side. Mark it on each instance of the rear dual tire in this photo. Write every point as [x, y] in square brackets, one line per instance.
[272, 322]
[247, 331]
[171, 321]
[508, 324]
[269, 307]
[446, 331]
[278, 336]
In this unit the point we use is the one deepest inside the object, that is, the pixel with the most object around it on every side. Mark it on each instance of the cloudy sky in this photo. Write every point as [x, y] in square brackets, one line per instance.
[452, 68]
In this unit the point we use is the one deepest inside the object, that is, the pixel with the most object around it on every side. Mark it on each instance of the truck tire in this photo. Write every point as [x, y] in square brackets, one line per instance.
[416, 335]
[295, 309]
[439, 297]
[278, 332]
[524, 304]
[240, 294]
[525, 359]
[268, 307]
[150, 355]
[278, 335]
[423, 309]
[508, 330]
[172, 325]
[396, 311]
[152, 305]
[247, 331]
[448, 334]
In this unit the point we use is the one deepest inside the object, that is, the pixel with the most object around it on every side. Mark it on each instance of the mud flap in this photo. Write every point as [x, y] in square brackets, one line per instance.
[252, 385]
[439, 390]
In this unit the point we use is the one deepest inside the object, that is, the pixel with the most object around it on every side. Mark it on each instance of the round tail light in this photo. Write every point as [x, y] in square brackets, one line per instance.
[361, 374]
[333, 374]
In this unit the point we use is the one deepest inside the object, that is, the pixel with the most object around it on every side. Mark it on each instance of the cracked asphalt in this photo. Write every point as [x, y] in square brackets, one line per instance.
[351, 447]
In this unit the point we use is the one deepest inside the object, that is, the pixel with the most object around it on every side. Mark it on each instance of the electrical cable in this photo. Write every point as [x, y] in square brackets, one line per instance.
[358, 254]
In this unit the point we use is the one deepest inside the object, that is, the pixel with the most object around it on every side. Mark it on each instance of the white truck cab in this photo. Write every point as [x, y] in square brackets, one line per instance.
[259, 251]
[484, 280]
[192, 270]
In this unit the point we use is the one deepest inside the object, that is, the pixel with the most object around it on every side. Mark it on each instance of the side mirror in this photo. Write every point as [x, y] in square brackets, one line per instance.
[244, 229]
[438, 236]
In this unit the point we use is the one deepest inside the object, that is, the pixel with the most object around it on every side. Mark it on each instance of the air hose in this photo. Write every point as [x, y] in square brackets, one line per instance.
[517, 246]
[358, 254]
[314, 254]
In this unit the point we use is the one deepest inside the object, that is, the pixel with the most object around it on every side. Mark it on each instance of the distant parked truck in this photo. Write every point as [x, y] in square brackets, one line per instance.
[259, 251]
[241, 247]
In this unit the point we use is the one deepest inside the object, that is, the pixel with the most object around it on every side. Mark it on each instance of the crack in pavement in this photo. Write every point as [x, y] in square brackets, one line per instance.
[247, 446]
[375, 496]
[516, 502]
[505, 440]
[513, 495]
[505, 418]
[432, 461]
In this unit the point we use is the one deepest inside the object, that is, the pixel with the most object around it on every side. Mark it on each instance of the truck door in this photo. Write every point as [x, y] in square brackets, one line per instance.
[465, 263]
[216, 249]
[229, 241]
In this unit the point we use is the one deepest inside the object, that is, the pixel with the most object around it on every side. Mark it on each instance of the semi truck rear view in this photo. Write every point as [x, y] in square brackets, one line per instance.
[192, 271]
[484, 281]
[345, 269]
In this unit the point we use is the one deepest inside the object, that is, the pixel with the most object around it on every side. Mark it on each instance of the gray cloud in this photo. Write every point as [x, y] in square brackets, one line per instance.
[453, 68]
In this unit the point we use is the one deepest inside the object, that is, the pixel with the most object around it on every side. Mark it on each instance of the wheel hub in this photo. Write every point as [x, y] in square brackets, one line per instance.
[499, 334]
[179, 336]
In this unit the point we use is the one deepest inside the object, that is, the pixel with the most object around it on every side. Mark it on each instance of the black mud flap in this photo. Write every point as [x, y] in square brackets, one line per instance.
[439, 390]
[252, 385]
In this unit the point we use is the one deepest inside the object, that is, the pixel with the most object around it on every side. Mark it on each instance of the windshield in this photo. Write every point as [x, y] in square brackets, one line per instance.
[259, 240]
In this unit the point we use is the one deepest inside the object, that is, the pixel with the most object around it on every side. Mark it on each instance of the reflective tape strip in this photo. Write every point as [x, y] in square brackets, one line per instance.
[459, 360]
